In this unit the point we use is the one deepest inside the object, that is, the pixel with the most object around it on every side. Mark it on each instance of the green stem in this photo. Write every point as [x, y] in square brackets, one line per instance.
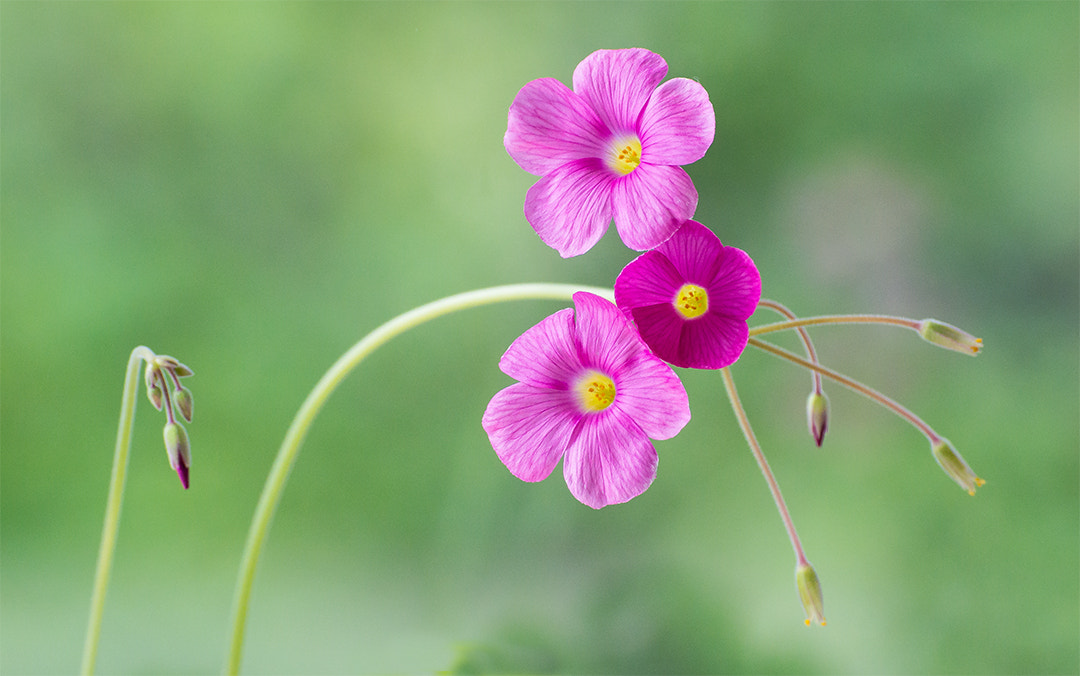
[294, 437]
[851, 384]
[759, 455]
[835, 319]
[113, 505]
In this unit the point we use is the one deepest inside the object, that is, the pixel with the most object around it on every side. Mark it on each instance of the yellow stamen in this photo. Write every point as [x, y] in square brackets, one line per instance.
[692, 301]
[625, 154]
[595, 391]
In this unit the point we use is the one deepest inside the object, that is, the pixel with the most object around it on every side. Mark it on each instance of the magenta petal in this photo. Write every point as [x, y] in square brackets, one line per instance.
[546, 355]
[549, 125]
[651, 203]
[618, 84]
[649, 279]
[570, 208]
[529, 429]
[736, 288]
[712, 341]
[678, 123]
[609, 461]
[661, 327]
[696, 252]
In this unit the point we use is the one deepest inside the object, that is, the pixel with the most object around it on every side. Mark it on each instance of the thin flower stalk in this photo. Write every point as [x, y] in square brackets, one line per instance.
[804, 335]
[294, 437]
[851, 384]
[763, 464]
[904, 322]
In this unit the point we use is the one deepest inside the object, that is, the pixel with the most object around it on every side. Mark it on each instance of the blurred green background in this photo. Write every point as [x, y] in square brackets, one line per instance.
[252, 187]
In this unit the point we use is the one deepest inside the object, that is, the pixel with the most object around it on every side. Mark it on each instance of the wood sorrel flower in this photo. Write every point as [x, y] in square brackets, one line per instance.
[591, 393]
[690, 298]
[610, 149]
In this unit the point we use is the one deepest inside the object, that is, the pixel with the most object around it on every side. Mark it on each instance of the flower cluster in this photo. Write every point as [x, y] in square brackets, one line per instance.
[593, 387]
[593, 384]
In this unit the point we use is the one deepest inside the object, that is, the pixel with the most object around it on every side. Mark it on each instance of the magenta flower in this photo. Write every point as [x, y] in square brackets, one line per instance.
[610, 149]
[690, 298]
[592, 394]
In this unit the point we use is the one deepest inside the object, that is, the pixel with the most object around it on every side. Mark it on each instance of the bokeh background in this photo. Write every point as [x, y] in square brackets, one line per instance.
[252, 187]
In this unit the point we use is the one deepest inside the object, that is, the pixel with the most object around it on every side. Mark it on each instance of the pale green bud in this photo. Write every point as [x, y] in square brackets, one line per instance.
[178, 449]
[817, 415]
[184, 401]
[154, 395]
[806, 581]
[953, 463]
[949, 337]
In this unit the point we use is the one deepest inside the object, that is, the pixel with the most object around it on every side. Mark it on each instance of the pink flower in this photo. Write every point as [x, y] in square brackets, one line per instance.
[611, 148]
[690, 298]
[592, 394]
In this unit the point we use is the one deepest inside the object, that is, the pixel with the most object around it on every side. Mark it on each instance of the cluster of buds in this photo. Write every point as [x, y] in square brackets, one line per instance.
[163, 388]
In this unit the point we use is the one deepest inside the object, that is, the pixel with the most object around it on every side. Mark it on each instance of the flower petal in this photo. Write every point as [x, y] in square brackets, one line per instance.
[549, 125]
[546, 355]
[736, 287]
[650, 204]
[649, 279]
[529, 428]
[618, 83]
[652, 395]
[696, 252]
[711, 341]
[607, 340]
[678, 123]
[570, 208]
[609, 461]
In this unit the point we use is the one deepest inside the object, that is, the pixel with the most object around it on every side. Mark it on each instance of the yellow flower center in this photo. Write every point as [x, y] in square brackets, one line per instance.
[692, 301]
[625, 154]
[595, 391]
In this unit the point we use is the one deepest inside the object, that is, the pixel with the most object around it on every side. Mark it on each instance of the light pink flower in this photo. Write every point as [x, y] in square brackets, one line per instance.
[610, 149]
[690, 298]
[590, 393]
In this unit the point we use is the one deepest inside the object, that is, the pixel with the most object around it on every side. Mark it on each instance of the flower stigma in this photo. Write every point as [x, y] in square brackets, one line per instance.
[692, 301]
[625, 154]
[595, 391]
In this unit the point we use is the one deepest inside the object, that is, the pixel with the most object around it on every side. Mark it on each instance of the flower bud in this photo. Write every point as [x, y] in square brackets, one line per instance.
[806, 580]
[817, 415]
[184, 402]
[171, 364]
[954, 465]
[178, 449]
[154, 395]
[950, 337]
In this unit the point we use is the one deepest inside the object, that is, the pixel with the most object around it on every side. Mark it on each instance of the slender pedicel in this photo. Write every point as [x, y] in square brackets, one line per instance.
[817, 404]
[931, 330]
[813, 610]
[175, 443]
[294, 437]
[946, 456]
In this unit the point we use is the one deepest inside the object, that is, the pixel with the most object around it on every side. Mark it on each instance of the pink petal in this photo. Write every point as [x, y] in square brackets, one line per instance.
[618, 83]
[661, 327]
[570, 208]
[606, 338]
[609, 461]
[529, 428]
[650, 203]
[649, 279]
[736, 287]
[678, 123]
[652, 396]
[549, 125]
[546, 355]
[696, 252]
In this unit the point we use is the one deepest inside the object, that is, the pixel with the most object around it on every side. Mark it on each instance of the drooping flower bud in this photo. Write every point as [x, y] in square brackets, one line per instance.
[806, 580]
[154, 395]
[184, 402]
[172, 364]
[949, 337]
[817, 415]
[953, 463]
[178, 449]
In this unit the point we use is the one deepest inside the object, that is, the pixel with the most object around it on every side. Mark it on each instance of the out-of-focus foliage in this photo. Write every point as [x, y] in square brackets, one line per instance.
[253, 186]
